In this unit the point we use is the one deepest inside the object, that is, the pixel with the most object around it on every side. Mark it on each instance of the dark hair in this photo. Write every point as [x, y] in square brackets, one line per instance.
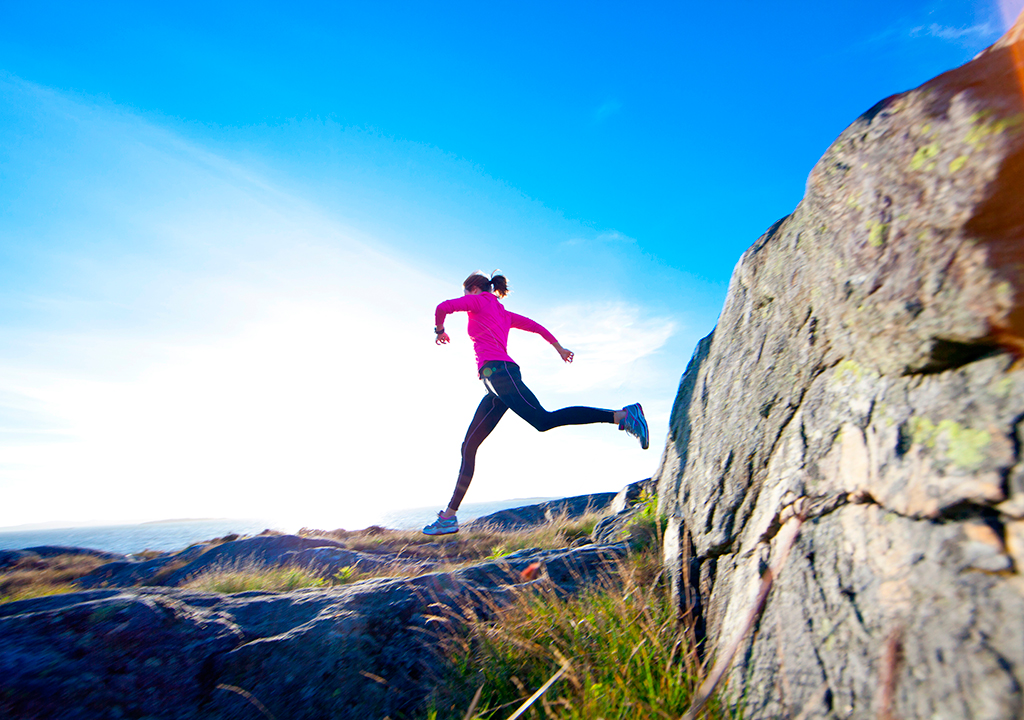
[496, 284]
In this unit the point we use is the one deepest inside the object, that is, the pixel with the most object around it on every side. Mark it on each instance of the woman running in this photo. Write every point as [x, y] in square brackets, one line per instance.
[489, 323]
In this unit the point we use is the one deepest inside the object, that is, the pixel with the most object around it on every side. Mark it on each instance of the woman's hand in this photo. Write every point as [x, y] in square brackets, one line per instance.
[566, 354]
[442, 338]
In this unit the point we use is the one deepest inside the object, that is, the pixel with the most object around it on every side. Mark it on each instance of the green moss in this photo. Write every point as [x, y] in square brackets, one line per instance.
[957, 163]
[1002, 387]
[877, 232]
[983, 129]
[854, 202]
[1009, 123]
[923, 156]
[922, 432]
[1004, 291]
[848, 370]
[964, 447]
[830, 642]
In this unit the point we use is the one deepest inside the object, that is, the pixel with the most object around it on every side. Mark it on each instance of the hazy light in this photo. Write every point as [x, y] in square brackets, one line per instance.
[208, 344]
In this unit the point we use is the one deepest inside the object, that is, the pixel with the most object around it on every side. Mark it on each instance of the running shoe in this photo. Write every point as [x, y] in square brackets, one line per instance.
[635, 424]
[442, 526]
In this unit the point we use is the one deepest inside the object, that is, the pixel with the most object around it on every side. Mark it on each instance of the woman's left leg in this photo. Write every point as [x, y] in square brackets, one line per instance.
[506, 382]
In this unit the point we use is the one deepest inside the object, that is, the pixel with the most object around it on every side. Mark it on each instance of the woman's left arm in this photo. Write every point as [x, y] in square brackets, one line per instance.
[524, 323]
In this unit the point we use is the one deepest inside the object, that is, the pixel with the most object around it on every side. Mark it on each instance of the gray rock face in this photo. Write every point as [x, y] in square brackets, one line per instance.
[358, 651]
[863, 375]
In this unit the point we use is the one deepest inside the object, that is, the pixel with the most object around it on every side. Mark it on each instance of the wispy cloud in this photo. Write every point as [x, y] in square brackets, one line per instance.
[608, 237]
[960, 35]
[610, 340]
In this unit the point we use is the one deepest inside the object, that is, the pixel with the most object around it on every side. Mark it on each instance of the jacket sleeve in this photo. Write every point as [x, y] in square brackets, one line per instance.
[462, 304]
[524, 323]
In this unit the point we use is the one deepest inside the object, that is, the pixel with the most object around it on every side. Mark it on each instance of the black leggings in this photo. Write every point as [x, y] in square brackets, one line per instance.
[505, 390]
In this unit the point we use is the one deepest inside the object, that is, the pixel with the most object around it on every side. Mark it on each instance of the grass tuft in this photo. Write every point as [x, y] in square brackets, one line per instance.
[39, 577]
[243, 577]
[625, 652]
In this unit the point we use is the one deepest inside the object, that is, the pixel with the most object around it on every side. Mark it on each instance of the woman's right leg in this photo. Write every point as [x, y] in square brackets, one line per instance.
[488, 413]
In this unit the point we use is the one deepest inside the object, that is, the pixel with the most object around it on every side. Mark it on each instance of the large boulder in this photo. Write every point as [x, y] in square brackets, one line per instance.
[863, 377]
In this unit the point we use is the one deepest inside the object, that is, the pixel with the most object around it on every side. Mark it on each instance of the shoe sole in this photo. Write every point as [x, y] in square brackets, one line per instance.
[442, 532]
[645, 442]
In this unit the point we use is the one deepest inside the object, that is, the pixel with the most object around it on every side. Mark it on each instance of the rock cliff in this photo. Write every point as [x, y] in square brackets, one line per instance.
[863, 380]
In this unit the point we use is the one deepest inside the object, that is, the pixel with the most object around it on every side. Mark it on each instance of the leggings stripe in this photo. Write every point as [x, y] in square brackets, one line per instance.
[512, 378]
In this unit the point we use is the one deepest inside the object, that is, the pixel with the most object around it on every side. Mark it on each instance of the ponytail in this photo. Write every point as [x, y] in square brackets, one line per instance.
[498, 283]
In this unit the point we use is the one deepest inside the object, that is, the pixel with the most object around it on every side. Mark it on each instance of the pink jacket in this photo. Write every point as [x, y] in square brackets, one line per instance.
[489, 323]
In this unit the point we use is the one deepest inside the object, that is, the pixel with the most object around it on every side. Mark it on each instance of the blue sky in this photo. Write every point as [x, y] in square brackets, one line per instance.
[223, 231]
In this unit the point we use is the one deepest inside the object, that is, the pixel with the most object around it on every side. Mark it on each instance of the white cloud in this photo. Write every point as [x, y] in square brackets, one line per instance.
[608, 339]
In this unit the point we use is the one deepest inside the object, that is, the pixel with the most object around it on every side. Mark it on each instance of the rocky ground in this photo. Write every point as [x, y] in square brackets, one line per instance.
[135, 645]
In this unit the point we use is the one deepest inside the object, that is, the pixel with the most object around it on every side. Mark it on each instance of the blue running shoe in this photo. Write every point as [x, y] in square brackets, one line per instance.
[442, 526]
[635, 424]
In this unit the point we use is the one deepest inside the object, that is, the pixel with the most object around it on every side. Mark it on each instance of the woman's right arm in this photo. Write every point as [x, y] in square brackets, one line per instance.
[446, 308]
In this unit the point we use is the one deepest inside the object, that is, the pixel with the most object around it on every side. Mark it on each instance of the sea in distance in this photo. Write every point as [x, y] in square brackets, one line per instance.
[171, 535]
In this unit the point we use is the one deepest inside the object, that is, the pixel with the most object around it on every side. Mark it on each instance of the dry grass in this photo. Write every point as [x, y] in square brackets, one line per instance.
[166, 571]
[243, 577]
[619, 646]
[468, 545]
[410, 554]
[38, 577]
